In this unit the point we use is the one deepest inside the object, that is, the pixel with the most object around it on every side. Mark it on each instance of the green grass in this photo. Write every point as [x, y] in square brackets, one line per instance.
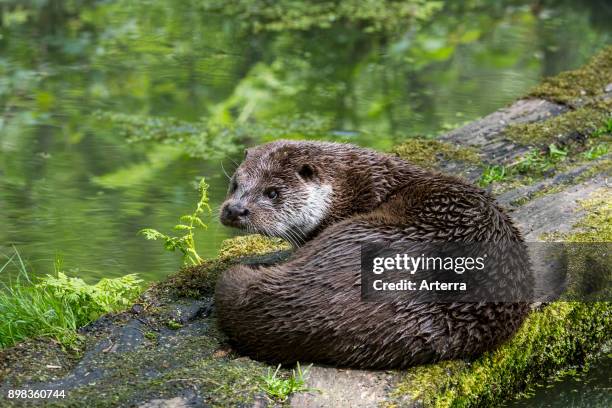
[55, 306]
[596, 151]
[491, 174]
[606, 129]
[535, 162]
[279, 388]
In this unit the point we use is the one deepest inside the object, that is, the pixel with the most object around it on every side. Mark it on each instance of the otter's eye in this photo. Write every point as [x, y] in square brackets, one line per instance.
[271, 193]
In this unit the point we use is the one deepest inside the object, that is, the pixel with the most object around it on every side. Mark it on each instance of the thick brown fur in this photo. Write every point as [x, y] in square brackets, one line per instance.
[309, 309]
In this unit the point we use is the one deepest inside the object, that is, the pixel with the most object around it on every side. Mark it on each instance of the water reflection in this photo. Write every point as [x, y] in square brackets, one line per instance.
[70, 184]
[579, 391]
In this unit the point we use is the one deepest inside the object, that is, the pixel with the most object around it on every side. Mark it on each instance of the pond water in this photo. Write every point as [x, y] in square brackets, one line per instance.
[590, 391]
[76, 185]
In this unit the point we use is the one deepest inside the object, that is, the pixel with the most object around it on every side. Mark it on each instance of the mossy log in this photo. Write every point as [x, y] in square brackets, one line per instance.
[166, 350]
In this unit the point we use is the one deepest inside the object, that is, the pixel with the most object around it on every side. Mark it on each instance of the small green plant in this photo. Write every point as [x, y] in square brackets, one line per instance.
[151, 335]
[536, 161]
[279, 389]
[173, 324]
[555, 153]
[491, 174]
[596, 151]
[57, 305]
[91, 301]
[606, 129]
[188, 224]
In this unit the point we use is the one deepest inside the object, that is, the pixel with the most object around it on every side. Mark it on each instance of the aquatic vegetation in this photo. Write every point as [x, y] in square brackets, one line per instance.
[280, 388]
[197, 139]
[188, 223]
[208, 139]
[56, 305]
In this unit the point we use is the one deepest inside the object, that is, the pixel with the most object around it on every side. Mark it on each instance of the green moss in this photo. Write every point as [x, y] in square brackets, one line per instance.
[596, 225]
[584, 121]
[421, 381]
[587, 81]
[197, 281]
[173, 324]
[539, 164]
[193, 281]
[540, 193]
[562, 335]
[601, 167]
[428, 152]
[28, 361]
[192, 364]
[151, 335]
[250, 245]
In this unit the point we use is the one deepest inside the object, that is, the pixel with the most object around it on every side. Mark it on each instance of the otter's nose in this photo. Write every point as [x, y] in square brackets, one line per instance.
[233, 212]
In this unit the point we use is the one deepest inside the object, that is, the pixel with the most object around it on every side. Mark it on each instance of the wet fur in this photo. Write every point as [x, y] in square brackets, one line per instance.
[309, 309]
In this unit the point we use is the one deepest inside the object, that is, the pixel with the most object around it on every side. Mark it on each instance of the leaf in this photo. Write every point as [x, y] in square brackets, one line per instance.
[200, 223]
[151, 234]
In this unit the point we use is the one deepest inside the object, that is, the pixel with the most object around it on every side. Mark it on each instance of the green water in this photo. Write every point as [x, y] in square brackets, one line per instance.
[71, 184]
[586, 391]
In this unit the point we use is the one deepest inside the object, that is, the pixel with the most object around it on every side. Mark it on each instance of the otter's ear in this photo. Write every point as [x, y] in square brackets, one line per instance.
[246, 153]
[307, 172]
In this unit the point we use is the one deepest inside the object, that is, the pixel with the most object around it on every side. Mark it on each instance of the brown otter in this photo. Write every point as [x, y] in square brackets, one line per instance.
[327, 199]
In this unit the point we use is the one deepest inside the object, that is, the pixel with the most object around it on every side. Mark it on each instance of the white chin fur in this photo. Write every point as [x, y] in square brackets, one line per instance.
[312, 212]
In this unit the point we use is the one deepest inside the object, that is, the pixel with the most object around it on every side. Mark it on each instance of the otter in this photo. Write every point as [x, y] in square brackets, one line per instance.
[326, 199]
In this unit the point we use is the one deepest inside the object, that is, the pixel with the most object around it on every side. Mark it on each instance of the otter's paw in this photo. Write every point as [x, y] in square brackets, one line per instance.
[233, 283]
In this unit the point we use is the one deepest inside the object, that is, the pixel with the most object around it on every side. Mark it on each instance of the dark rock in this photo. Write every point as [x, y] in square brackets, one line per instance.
[137, 309]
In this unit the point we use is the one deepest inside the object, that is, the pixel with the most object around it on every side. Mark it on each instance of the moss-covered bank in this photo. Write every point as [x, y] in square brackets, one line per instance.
[429, 153]
[197, 281]
[561, 335]
[588, 81]
[574, 126]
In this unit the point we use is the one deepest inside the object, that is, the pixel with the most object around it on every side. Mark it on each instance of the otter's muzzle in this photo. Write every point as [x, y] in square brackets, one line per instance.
[234, 215]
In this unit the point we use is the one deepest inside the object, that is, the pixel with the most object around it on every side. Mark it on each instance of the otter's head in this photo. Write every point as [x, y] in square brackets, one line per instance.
[278, 190]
